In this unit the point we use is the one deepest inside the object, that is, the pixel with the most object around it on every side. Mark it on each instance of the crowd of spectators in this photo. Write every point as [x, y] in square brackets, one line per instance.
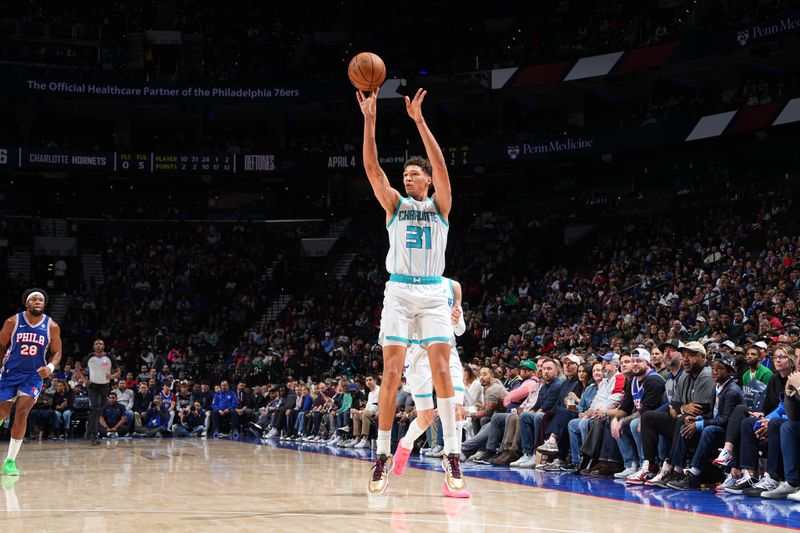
[243, 41]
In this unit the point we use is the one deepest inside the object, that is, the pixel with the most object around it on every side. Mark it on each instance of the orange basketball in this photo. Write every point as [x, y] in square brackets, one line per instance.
[366, 71]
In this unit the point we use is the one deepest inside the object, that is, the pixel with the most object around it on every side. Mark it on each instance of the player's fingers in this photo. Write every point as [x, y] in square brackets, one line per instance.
[418, 93]
[359, 97]
[376, 91]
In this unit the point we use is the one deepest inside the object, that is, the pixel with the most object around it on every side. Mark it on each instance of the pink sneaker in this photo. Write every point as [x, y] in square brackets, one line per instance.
[400, 460]
[448, 492]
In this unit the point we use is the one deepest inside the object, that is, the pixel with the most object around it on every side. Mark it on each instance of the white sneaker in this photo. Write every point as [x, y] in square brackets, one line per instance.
[530, 463]
[548, 447]
[363, 443]
[272, 434]
[435, 452]
[631, 470]
[780, 492]
[724, 459]
[766, 483]
[334, 441]
[795, 497]
[730, 481]
[521, 460]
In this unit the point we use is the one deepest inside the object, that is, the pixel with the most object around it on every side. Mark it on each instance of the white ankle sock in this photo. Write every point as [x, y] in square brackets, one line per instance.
[384, 442]
[13, 448]
[413, 433]
[447, 413]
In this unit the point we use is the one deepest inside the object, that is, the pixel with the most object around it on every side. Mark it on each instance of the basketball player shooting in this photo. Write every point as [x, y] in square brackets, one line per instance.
[415, 298]
[25, 339]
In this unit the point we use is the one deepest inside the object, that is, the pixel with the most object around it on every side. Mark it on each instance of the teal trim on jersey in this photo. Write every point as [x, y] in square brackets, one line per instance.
[401, 339]
[452, 293]
[431, 339]
[399, 203]
[439, 214]
[416, 280]
[429, 395]
[460, 389]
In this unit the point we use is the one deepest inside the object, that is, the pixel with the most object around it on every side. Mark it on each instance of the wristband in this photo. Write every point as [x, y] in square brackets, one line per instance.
[51, 367]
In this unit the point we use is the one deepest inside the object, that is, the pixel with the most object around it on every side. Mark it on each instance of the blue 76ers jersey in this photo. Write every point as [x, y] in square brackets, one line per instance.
[29, 345]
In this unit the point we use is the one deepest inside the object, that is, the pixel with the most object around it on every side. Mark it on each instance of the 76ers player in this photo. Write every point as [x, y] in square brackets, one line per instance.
[414, 300]
[25, 339]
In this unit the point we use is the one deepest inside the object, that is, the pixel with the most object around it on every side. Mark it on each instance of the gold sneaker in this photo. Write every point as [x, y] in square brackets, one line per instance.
[380, 474]
[454, 486]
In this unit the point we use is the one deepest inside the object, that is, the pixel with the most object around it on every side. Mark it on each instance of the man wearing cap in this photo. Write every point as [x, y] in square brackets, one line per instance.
[556, 431]
[328, 343]
[642, 393]
[511, 437]
[708, 433]
[701, 328]
[727, 346]
[512, 376]
[694, 397]
[672, 357]
[530, 421]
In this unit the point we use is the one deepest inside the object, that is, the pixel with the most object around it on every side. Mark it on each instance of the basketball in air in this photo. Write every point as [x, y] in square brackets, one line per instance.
[366, 71]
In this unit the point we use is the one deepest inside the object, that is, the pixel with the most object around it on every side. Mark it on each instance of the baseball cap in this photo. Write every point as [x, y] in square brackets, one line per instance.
[725, 359]
[793, 330]
[571, 357]
[775, 323]
[700, 318]
[640, 353]
[610, 356]
[730, 344]
[694, 346]
[530, 365]
[760, 344]
[674, 343]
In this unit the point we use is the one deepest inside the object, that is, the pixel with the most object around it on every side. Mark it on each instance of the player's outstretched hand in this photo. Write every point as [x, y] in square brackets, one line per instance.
[368, 104]
[414, 107]
[43, 371]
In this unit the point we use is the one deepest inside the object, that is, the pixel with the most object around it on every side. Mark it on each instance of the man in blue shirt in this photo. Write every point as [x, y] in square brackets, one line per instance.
[224, 408]
[531, 421]
[113, 421]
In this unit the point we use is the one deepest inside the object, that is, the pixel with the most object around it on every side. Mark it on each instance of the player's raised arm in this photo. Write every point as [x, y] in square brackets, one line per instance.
[443, 196]
[386, 195]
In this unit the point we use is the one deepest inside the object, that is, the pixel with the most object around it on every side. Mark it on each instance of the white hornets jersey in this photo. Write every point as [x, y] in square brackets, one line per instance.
[417, 239]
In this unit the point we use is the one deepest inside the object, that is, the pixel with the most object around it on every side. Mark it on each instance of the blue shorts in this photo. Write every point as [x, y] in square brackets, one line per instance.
[14, 383]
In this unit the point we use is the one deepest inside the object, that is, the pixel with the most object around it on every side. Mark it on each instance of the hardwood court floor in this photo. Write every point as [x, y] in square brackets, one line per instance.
[218, 485]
